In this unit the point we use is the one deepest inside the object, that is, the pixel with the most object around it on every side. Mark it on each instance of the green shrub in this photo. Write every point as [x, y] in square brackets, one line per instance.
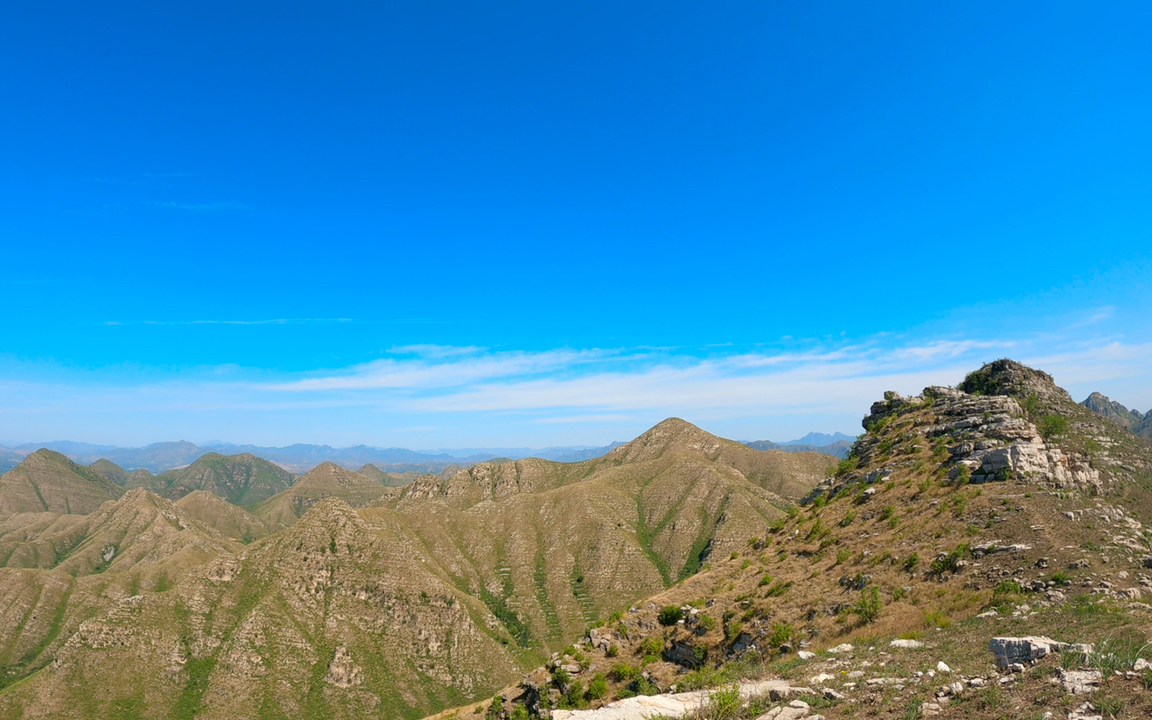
[1008, 587]
[868, 607]
[847, 465]
[1052, 426]
[724, 704]
[733, 630]
[623, 672]
[778, 589]
[911, 561]
[560, 678]
[706, 622]
[652, 646]
[764, 580]
[781, 633]
[949, 562]
[597, 687]
[670, 615]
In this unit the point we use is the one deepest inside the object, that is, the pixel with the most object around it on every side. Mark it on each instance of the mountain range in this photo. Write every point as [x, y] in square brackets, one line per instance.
[520, 588]
[299, 458]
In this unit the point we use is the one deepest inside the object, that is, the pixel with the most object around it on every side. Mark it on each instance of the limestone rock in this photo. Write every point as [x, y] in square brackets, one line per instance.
[1079, 682]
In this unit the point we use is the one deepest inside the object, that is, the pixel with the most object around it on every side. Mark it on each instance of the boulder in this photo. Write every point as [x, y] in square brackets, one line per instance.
[905, 644]
[1009, 651]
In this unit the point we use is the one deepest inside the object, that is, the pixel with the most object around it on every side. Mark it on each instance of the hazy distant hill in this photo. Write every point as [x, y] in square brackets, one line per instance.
[110, 470]
[1122, 416]
[838, 449]
[816, 439]
[242, 479]
[300, 458]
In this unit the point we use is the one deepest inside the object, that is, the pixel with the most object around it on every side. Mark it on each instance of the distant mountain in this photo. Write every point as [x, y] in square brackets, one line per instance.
[110, 470]
[242, 479]
[815, 439]
[156, 457]
[46, 481]
[326, 480]
[838, 449]
[374, 602]
[299, 458]
[1122, 416]
[388, 479]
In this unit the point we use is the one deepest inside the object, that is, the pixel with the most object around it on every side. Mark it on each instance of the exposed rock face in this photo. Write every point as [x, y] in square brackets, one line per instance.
[1114, 411]
[1122, 416]
[342, 672]
[988, 438]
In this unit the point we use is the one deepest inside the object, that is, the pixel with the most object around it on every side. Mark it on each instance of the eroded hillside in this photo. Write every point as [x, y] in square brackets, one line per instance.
[421, 598]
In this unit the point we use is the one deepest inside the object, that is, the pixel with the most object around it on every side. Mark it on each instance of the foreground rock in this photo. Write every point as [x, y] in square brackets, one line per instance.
[676, 705]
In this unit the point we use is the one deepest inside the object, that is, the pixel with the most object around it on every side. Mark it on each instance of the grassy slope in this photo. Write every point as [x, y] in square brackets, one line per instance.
[800, 583]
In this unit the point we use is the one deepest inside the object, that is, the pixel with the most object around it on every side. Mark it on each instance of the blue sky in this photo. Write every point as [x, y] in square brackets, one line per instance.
[444, 224]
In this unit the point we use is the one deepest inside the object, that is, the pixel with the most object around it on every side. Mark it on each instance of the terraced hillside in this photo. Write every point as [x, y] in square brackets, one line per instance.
[436, 594]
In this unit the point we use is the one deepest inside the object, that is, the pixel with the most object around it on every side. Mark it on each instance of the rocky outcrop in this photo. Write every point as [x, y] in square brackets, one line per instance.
[987, 438]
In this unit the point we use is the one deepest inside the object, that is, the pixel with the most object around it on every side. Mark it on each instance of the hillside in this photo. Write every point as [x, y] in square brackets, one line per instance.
[438, 593]
[387, 479]
[110, 470]
[76, 567]
[212, 511]
[240, 479]
[46, 481]
[327, 480]
[999, 509]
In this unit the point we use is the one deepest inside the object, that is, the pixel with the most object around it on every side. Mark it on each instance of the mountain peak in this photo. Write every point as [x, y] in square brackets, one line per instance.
[1008, 377]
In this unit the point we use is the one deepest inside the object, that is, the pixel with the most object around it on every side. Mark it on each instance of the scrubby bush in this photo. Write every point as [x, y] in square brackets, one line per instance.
[868, 607]
[670, 615]
[597, 687]
[623, 672]
[1052, 426]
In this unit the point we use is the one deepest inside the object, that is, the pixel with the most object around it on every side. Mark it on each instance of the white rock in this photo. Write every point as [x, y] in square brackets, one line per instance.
[905, 644]
[841, 648]
[1010, 651]
[1079, 682]
[942, 667]
[805, 654]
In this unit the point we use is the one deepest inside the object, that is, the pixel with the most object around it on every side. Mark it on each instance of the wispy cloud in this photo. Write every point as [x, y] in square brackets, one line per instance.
[443, 395]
